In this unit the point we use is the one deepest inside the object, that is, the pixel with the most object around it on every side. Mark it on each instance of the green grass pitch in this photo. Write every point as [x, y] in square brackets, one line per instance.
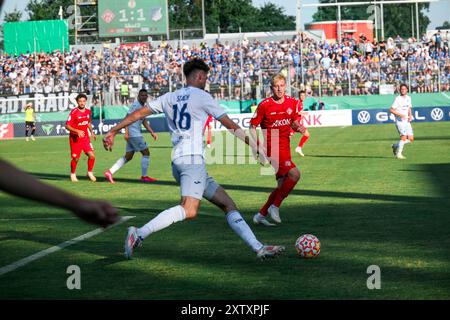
[366, 207]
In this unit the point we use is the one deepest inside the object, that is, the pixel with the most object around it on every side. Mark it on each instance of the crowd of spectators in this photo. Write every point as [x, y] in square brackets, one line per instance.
[353, 67]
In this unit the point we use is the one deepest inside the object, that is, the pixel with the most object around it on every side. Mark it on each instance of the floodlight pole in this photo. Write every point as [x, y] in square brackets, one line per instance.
[75, 21]
[203, 19]
[339, 24]
[417, 21]
[376, 21]
[300, 39]
[298, 16]
[382, 21]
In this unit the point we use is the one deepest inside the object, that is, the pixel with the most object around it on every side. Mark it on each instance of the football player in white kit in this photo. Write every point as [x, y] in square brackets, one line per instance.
[402, 110]
[186, 112]
[135, 142]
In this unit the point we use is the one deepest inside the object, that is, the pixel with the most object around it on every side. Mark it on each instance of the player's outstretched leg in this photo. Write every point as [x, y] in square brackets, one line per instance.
[269, 252]
[161, 221]
[132, 241]
[116, 166]
[237, 223]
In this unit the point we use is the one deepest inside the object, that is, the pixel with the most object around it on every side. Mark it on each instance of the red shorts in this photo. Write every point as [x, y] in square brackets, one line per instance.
[77, 145]
[282, 166]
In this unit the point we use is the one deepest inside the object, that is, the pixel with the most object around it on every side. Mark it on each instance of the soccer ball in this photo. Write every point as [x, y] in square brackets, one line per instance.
[307, 246]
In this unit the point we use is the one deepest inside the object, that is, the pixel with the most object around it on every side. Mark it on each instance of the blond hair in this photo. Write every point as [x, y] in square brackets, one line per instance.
[276, 78]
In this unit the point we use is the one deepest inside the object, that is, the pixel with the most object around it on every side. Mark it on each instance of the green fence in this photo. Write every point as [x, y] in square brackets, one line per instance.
[36, 36]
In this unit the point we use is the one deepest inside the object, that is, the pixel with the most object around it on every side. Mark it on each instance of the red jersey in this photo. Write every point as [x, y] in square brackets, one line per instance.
[79, 120]
[276, 116]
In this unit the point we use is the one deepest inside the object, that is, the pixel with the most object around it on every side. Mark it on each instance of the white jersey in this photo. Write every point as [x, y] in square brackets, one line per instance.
[186, 111]
[134, 129]
[401, 105]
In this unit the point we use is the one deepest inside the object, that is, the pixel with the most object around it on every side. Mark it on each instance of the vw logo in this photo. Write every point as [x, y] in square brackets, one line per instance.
[363, 116]
[437, 114]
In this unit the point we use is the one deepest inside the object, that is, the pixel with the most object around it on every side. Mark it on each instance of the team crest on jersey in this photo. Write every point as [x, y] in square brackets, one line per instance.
[289, 111]
[287, 163]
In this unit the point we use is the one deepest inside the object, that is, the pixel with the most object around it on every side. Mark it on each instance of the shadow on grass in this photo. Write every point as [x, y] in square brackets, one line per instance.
[204, 259]
[266, 190]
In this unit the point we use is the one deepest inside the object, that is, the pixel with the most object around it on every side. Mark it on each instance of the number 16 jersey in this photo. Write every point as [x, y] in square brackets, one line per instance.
[186, 112]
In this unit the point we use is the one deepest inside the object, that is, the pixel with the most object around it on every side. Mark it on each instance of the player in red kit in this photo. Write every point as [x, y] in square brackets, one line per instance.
[302, 129]
[277, 116]
[208, 129]
[78, 123]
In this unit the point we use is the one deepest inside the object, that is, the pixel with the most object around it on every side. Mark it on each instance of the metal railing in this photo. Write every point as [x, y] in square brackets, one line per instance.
[230, 82]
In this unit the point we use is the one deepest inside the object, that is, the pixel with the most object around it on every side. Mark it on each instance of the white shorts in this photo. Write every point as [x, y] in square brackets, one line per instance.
[136, 144]
[404, 128]
[190, 173]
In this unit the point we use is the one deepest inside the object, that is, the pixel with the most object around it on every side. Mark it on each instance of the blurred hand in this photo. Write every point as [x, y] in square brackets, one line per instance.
[81, 134]
[94, 137]
[126, 136]
[259, 154]
[96, 212]
[155, 137]
[108, 141]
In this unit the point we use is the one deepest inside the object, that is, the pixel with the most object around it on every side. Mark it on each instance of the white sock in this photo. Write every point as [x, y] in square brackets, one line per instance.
[238, 224]
[162, 220]
[145, 163]
[401, 143]
[119, 164]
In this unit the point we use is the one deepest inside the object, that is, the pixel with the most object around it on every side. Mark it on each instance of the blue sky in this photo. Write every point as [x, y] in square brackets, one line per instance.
[439, 12]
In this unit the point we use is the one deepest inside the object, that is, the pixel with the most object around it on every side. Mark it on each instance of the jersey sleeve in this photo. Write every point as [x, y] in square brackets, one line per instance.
[70, 119]
[395, 105]
[156, 106]
[258, 116]
[298, 104]
[213, 108]
[90, 115]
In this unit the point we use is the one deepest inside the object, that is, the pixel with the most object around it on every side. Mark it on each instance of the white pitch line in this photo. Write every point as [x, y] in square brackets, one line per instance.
[43, 253]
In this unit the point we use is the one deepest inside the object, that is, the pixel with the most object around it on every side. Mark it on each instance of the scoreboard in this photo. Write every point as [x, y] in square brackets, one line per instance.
[132, 17]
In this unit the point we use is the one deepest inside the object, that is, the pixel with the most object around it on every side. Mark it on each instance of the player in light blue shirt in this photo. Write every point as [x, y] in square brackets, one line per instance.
[135, 142]
[186, 112]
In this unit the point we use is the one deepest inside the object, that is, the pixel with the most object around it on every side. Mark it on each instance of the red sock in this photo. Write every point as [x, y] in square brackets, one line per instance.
[302, 141]
[285, 189]
[91, 164]
[208, 140]
[73, 166]
[269, 202]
